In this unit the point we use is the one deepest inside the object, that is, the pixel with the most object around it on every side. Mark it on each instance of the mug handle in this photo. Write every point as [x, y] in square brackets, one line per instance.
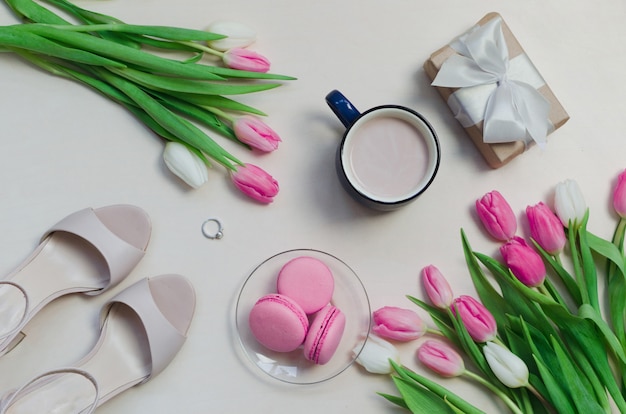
[342, 107]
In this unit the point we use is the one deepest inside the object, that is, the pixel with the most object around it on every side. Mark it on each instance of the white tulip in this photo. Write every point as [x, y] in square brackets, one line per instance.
[375, 355]
[238, 35]
[185, 164]
[569, 203]
[506, 366]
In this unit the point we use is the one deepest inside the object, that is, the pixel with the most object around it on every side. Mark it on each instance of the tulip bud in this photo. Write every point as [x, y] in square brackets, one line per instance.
[244, 59]
[254, 132]
[619, 195]
[525, 263]
[237, 35]
[546, 228]
[375, 355]
[441, 358]
[506, 366]
[185, 164]
[437, 287]
[255, 183]
[569, 203]
[497, 216]
[479, 322]
[398, 324]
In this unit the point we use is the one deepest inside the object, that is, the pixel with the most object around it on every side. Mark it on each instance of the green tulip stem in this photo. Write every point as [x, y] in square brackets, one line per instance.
[514, 408]
[541, 398]
[435, 332]
[557, 258]
[202, 48]
[618, 235]
[499, 342]
[220, 113]
[542, 289]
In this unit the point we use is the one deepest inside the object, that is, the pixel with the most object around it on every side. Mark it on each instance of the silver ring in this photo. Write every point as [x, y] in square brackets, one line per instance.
[209, 231]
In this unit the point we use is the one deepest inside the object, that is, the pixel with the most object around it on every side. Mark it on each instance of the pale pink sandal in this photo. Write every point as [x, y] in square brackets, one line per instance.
[89, 252]
[143, 329]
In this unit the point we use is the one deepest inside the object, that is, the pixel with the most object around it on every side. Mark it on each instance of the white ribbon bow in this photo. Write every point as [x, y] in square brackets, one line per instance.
[514, 109]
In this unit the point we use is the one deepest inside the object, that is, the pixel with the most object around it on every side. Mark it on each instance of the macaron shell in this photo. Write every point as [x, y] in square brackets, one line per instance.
[278, 323]
[308, 281]
[324, 335]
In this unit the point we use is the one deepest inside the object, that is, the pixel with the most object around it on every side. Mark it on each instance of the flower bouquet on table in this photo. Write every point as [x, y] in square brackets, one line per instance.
[538, 336]
[173, 97]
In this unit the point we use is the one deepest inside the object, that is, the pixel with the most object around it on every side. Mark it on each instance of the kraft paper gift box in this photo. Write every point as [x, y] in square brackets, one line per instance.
[495, 91]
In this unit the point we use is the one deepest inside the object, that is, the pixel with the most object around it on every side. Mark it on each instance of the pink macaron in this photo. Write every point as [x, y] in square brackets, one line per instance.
[278, 323]
[308, 281]
[324, 335]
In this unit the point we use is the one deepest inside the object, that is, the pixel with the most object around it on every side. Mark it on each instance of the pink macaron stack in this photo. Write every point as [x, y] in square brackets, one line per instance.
[300, 313]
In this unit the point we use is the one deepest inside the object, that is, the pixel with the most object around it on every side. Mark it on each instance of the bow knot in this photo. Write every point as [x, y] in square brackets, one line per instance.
[502, 78]
[512, 110]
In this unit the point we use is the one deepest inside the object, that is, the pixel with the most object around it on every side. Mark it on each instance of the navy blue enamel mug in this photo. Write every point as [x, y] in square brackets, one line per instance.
[388, 156]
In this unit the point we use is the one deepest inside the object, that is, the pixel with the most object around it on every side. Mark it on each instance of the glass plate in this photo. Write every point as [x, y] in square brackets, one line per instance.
[292, 367]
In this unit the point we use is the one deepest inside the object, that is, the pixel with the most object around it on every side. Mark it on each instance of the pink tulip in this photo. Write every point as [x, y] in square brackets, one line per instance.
[546, 228]
[254, 132]
[441, 358]
[398, 324]
[497, 216]
[255, 183]
[478, 321]
[525, 263]
[244, 59]
[619, 195]
[437, 287]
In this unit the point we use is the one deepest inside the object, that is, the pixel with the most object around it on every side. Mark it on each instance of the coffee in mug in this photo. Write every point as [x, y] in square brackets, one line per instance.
[388, 156]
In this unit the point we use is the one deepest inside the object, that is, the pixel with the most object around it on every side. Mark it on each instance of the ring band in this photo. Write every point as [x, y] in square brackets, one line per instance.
[207, 230]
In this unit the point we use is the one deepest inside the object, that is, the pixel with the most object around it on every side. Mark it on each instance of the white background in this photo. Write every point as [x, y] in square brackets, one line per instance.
[64, 148]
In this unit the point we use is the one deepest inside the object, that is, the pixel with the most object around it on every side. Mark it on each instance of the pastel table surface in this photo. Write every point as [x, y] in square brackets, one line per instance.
[65, 148]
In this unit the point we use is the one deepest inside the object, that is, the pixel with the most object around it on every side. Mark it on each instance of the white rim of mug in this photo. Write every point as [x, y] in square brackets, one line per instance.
[431, 141]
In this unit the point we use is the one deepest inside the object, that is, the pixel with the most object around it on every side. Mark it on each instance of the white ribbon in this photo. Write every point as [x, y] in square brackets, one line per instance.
[501, 92]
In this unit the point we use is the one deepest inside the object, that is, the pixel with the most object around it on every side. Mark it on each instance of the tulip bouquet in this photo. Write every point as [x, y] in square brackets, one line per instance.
[537, 336]
[174, 97]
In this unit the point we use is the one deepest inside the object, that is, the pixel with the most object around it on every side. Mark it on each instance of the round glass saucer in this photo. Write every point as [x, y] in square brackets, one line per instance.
[349, 296]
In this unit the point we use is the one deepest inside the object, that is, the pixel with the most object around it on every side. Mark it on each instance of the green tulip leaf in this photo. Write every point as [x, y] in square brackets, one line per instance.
[521, 305]
[420, 400]
[559, 398]
[432, 310]
[588, 265]
[579, 388]
[399, 401]
[486, 292]
[617, 308]
[216, 101]
[163, 32]
[419, 383]
[12, 38]
[167, 84]
[566, 278]
[607, 250]
[589, 313]
[199, 114]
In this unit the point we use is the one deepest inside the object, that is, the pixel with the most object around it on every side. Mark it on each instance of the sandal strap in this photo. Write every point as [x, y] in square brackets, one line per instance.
[120, 256]
[164, 340]
[15, 395]
[24, 318]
